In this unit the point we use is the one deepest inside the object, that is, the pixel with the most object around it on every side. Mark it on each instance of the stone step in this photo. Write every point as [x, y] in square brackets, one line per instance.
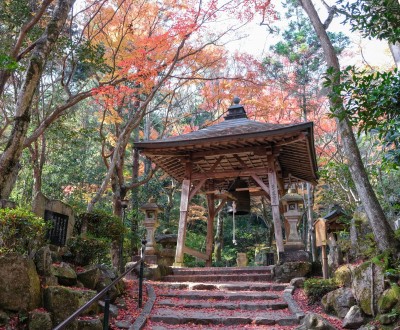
[219, 278]
[179, 316]
[229, 305]
[223, 270]
[232, 286]
[219, 295]
[223, 298]
[162, 326]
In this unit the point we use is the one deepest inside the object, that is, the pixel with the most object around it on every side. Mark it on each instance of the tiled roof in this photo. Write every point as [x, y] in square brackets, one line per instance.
[237, 145]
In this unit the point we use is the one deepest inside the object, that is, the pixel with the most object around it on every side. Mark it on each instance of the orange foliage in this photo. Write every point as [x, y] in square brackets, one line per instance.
[153, 44]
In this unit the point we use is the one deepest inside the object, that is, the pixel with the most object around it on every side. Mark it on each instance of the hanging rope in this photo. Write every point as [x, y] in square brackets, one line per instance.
[233, 223]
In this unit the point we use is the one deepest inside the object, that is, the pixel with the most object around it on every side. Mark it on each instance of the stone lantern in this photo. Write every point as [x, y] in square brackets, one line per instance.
[150, 210]
[293, 211]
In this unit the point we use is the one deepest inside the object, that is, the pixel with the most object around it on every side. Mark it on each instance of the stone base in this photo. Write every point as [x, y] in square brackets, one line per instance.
[295, 255]
[166, 257]
[294, 246]
[288, 270]
[151, 259]
[178, 264]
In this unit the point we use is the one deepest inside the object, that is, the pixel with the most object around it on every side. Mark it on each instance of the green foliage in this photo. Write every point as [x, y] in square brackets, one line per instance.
[90, 60]
[7, 63]
[195, 240]
[89, 250]
[374, 18]
[388, 263]
[94, 245]
[369, 241]
[21, 231]
[15, 12]
[337, 176]
[397, 233]
[381, 260]
[315, 288]
[101, 224]
[190, 261]
[302, 49]
[371, 102]
[394, 313]
[229, 255]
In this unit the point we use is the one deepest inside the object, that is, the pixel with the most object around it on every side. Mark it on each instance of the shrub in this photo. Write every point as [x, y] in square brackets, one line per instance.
[89, 250]
[316, 288]
[21, 231]
[94, 246]
[101, 224]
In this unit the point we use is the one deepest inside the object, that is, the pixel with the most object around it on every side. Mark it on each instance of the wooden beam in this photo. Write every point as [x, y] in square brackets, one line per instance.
[240, 160]
[195, 253]
[221, 205]
[230, 174]
[261, 184]
[293, 139]
[202, 181]
[255, 150]
[260, 193]
[194, 191]
[164, 153]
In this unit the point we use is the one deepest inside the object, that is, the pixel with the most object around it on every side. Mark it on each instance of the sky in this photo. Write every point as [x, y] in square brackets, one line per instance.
[376, 53]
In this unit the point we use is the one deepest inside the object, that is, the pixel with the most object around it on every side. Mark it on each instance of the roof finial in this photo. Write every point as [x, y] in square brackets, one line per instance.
[236, 111]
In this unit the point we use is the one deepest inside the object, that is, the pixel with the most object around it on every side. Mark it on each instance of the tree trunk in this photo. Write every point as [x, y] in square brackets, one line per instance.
[384, 235]
[395, 50]
[119, 194]
[37, 159]
[10, 158]
[135, 245]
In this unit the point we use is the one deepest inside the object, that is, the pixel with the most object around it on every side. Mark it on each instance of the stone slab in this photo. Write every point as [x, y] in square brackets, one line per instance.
[223, 270]
[219, 278]
[249, 305]
[237, 318]
[193, 295]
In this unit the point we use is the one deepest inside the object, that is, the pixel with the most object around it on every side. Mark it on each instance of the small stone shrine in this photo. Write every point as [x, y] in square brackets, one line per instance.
[150, 210]
[292, 203]
[61, 217]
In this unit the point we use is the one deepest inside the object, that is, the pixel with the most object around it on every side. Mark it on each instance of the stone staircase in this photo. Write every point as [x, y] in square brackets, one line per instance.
[223, 298]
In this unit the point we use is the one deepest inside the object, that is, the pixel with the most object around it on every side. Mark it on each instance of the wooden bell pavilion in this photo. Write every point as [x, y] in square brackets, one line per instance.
[264, 157]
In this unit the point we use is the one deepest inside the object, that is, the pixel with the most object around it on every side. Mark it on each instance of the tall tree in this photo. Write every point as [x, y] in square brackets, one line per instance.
[40, 53]
[383, 233]
[373, 100]
[296, 65]
[47, 67]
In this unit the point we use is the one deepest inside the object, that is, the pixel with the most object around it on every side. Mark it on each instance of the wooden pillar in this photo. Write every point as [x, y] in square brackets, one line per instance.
[182, 223]
[273, 192]
[324, 262]
[210, 228]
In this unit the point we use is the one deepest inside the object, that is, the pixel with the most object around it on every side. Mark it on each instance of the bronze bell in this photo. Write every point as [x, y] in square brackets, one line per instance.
[242, 198]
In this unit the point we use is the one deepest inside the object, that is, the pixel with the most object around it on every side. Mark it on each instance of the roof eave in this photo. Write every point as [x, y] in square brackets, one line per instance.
[166, 144]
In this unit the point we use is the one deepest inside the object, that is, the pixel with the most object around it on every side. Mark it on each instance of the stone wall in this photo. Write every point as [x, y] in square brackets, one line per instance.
[42, 203]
